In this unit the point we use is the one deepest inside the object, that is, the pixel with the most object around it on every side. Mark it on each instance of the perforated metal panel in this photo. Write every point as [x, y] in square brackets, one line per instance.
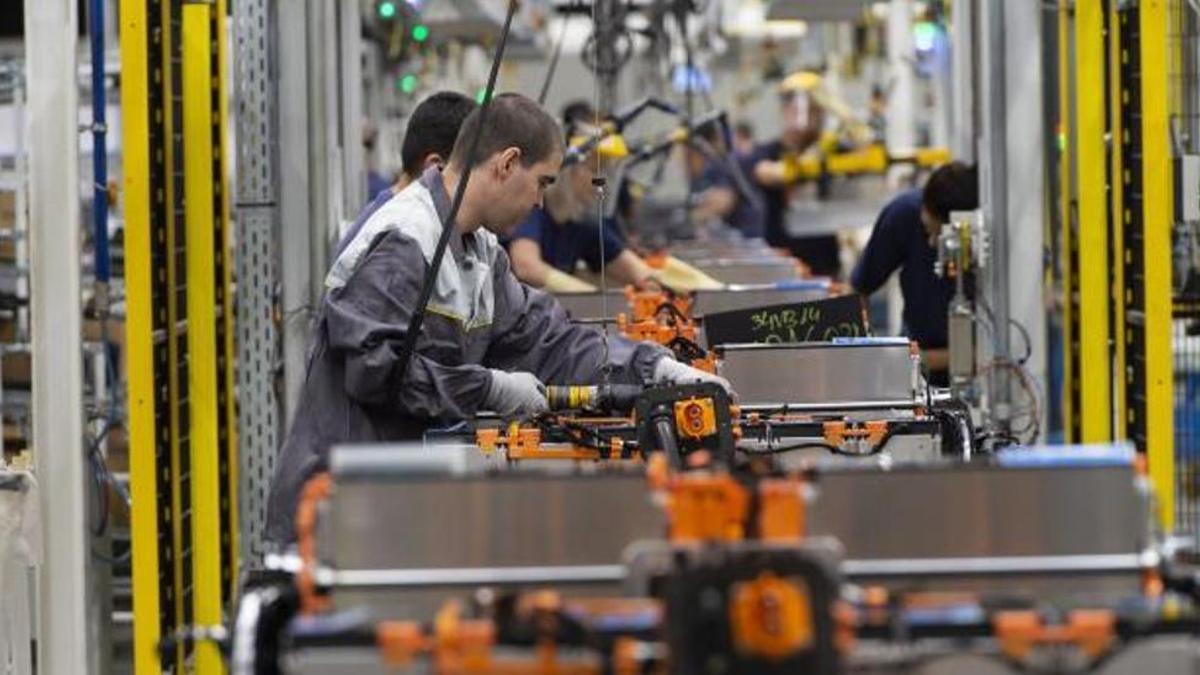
[257, 264]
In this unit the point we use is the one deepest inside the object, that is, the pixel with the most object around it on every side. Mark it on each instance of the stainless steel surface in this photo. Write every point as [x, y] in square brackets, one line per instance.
[1070, 565]
[976, 511]
[510, 519]
[749, 296]
[256, 255]
[765, 271]
[472, 577]
[380, 462]
[828, 375]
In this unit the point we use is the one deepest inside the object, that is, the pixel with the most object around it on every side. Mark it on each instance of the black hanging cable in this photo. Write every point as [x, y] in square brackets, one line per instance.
[418, 316]
[558, 47]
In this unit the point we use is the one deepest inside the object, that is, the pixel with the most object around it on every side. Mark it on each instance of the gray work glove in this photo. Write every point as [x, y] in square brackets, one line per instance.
[670, 371]
[515, 395]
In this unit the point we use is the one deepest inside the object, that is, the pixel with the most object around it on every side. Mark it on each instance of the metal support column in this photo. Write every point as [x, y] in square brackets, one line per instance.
[993, 177]
[50, 53]
[1025, 193]
[350, 98]
[295, 215]
[901, 118]
[963, 78]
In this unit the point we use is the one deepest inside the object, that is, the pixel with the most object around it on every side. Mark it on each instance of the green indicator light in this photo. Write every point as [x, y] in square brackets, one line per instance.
[480, 94]
[420, 32]
[408, 83]
[387, 9]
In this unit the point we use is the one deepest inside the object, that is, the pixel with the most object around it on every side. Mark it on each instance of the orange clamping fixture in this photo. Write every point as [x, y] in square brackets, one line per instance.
[644, 305]
[708, 364]
[837, 432]
[706, 507]
[400, 642]
[781, 510]
[696, 418]
[1092, 631]
[461, 646]
[652, 330]
[845, 627]
[771, 617]
[316, 490]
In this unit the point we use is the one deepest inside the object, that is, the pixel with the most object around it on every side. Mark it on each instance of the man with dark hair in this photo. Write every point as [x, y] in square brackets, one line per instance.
[905, 238]
[488, 341]
[431, 132]
[428, 139]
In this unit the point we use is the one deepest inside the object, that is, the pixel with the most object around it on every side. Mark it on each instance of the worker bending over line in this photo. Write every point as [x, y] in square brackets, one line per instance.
[549, 245]
[714, 185]
[489, 342]
[905, 238]
[428, 139]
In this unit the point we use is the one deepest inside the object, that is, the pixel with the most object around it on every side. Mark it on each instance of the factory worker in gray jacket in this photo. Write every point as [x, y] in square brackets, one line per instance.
[488, 342]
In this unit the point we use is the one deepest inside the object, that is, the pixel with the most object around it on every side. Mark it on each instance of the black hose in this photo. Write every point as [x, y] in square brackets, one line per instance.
[418, 316]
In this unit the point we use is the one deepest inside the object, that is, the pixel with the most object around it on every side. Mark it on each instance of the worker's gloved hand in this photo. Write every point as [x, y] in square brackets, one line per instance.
[670, 371]
[515, 395]
[561, 282]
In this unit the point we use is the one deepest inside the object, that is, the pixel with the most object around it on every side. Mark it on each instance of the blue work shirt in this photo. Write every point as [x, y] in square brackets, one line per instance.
[377, 201]
[745, 217]
[564, 245]
[899, 242]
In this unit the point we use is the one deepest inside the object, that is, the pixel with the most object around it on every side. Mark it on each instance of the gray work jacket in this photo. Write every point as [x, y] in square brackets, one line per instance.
[480, 316]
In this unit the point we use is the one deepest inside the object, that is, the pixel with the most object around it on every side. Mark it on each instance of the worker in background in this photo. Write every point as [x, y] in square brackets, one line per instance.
[553, 240]
[775, 171]
[905, 238]
[489, 342]
[428, 139]
[715, 188]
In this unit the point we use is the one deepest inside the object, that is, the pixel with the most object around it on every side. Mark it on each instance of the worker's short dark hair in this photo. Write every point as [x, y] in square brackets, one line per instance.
[513, 121]
[953, 187]
[432, 129]
[578, 111]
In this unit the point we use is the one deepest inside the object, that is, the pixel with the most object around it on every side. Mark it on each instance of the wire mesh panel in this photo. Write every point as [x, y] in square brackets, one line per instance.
[256, 267]
[1185, 140]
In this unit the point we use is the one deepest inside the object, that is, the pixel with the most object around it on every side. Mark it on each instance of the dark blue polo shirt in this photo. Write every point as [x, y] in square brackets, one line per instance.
[899, 242]
[564, 245]
[745, 217]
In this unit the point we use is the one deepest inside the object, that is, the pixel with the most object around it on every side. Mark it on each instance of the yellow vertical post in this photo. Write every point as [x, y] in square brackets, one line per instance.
[225, 280]
[175, 314]
[1066, 153]
[1158, 211]
[135, 150]
[1094, 359]
[1117, 103]
[201, 334]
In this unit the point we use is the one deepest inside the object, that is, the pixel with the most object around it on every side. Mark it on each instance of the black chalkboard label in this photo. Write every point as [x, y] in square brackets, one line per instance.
[816, 321]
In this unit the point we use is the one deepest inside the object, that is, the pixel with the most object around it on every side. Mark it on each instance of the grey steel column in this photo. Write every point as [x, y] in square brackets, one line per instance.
[257, 253]
[54, 206]
[350, 81]
[993, 176]
[1025, 178]
[963, 75]
[295, 234]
